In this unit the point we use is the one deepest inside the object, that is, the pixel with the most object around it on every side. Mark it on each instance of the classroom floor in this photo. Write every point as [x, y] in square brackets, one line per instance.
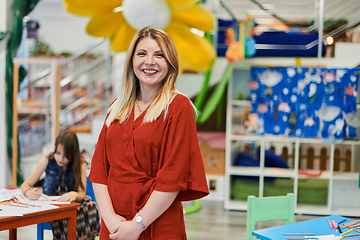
[212, 222]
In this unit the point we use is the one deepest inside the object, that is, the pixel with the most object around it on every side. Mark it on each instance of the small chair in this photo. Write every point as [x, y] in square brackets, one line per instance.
[268, 209]
[45, 226]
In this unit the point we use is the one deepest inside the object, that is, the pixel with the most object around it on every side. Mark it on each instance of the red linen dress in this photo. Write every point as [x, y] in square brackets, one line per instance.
[135, 158]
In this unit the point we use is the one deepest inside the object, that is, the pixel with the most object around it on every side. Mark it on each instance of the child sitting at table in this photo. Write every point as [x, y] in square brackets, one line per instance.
[65, 176]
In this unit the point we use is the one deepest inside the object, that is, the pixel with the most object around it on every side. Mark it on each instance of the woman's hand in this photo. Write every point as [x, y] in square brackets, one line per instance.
[129, 230]
[68, 197]
[32, 193]
[113, 222]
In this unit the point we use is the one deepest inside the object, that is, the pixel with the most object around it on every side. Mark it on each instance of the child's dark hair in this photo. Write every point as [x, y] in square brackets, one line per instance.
[70, 143]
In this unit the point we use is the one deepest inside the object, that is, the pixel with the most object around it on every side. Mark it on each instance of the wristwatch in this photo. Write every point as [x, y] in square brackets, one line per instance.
[139, 220]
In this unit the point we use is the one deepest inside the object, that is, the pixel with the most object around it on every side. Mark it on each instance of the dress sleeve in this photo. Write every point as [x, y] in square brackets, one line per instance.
[99, 163]
[181, 164]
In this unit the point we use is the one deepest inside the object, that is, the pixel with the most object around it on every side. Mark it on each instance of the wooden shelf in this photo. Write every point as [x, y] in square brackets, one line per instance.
[289, 173]
[274, 138]
[245, 171]
[349, 176]
[350, 212]
[235, 205]
[312, 209]
[279, 172]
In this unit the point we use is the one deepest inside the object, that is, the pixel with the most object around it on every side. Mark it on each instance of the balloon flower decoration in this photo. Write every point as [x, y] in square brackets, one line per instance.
[119, 20]
[240, 45]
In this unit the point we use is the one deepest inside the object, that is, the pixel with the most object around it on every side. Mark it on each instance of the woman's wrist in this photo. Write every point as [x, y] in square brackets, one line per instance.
[24, 193]
[139, 221]
[112, 220]
[73, 196]
[76, 195]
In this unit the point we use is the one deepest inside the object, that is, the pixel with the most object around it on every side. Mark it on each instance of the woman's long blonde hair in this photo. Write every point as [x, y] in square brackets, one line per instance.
[122, 107]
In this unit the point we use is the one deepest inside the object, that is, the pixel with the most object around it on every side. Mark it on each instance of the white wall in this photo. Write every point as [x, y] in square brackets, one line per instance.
[191, 84]
[5, 178]
[60, 29]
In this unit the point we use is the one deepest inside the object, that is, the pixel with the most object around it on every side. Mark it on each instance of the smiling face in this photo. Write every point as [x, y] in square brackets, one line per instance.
[149, 63]
[60, 157]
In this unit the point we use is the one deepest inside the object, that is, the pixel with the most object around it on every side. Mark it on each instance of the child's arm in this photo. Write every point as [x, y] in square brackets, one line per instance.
[26, 186]
[78, 195]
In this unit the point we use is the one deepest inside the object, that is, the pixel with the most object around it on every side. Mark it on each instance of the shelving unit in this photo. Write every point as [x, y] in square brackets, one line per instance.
[342, 188]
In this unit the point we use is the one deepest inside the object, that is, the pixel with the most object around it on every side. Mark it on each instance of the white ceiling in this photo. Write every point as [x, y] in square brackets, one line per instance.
[289, 10]
[298, 11]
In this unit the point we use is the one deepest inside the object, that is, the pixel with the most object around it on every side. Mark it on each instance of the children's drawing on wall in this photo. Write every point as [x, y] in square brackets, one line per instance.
[304, 102]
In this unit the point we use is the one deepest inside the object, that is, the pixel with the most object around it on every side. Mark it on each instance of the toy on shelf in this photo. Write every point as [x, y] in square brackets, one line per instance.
[239, 39]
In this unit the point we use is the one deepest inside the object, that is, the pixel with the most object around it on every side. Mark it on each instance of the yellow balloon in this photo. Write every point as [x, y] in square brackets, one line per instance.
[105, 25]
[196, 17]
[88, 11]
[195, 52]
[181, 4]
[120, 42]
[96, 3]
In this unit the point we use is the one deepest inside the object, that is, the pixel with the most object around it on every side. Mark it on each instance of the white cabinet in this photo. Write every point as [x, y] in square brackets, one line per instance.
[334, 190]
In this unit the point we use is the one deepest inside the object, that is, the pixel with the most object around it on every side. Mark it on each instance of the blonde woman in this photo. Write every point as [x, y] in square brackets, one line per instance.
[147, 159]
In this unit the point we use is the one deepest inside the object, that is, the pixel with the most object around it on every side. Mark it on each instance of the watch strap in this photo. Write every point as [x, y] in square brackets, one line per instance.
[139, 220]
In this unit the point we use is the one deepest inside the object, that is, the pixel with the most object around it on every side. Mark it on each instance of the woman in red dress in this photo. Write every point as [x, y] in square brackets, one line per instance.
[147, 159]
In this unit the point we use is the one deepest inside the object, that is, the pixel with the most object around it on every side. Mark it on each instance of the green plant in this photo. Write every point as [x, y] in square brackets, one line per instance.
[41, 48]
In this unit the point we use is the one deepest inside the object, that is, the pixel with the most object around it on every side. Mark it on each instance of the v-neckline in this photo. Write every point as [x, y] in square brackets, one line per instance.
[133, 115]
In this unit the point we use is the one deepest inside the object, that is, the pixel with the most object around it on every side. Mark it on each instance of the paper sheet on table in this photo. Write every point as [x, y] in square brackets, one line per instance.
[8, 210]
[5, 195]
[43, 199]
[49, 200]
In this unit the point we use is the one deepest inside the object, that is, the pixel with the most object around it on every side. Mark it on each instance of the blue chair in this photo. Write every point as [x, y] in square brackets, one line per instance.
[45, 226]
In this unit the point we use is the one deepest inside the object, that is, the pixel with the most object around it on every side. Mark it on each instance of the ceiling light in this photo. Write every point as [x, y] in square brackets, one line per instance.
[268, 6]
[330, 40]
